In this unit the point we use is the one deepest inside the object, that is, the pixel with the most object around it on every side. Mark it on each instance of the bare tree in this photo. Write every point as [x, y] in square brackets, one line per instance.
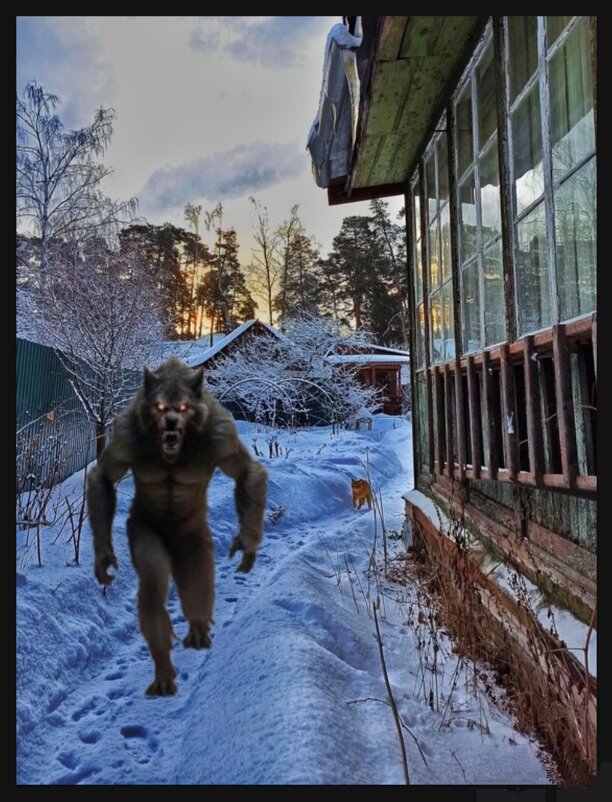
[192, 215]
[58, 172]
[286, 233]
[291, 375]
[266, 270]
[101, 311]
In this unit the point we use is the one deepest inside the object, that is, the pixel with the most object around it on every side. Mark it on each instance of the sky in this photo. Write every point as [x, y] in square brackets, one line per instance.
[292, 690]
[208, 110]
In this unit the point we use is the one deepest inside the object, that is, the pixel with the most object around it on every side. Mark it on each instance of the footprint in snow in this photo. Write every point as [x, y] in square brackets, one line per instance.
[89, 736]
[114, 675]
[140, 744]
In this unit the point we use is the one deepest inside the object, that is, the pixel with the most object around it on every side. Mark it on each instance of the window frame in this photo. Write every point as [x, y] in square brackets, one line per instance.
[541, 80]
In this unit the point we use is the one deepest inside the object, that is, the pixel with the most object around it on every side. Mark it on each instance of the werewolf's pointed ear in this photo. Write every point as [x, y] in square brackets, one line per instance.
[148, 380]
[196, 380]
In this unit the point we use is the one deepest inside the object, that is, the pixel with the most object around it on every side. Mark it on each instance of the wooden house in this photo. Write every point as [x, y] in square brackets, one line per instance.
[487, 127]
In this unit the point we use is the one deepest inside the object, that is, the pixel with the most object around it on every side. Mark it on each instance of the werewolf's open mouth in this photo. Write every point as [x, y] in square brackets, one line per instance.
[171, 444]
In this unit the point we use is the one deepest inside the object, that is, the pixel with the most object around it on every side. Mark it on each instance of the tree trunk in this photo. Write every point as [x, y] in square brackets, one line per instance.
[100, 438]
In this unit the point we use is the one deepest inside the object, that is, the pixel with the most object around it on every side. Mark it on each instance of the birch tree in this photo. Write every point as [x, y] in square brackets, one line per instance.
[59, 172]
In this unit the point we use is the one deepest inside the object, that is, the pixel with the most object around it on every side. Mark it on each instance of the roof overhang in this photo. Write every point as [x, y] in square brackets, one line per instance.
[414, 65]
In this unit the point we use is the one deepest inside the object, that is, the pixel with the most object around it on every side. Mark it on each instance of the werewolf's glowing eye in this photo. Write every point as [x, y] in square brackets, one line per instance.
[181, 407]
[160, 407]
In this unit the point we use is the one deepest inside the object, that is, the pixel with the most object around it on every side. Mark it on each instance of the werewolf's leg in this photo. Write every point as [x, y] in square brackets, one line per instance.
[152, 564]
[193, 569]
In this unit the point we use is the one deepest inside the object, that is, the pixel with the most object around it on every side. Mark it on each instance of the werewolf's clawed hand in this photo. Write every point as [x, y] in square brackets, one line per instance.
[104, 561]
[248, 557]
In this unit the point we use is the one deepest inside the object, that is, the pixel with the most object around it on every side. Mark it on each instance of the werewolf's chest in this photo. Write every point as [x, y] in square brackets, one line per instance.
[171, 492]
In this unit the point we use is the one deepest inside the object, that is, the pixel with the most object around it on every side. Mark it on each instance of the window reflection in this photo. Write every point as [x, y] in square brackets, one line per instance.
[523, 52]
[467, 211]
[471, 308]
[464, 132]
[494, 307]
[576, 239]
[527, 151]
[571, 102]
[489, 193]
[533, 273]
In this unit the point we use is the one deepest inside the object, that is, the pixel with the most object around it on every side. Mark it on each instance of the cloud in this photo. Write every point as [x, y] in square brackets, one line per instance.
[235, 173]
[274, 42]
[67, 60]
[204, 42]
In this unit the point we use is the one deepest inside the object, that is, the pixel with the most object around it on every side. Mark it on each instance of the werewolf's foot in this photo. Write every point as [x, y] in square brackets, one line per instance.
[197, 637]
[161, 687]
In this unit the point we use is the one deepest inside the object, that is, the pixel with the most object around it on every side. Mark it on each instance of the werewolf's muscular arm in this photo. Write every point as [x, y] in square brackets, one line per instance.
[101, 498]
[250, 493]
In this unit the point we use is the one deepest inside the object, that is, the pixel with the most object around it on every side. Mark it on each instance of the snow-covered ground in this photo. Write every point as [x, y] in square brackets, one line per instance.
[292, 690]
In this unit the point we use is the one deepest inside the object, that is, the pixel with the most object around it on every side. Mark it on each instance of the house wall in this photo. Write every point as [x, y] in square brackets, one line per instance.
[388, 377]
[501, 230]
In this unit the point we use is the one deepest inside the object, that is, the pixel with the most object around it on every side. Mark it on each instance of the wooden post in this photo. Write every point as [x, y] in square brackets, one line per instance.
[492, 459]
[439, 401]
[448, 397]
[534, 419]
[460, 417]
[505, 184]
[565, 406]
[510, 418]
[594, 335]
[475, 419]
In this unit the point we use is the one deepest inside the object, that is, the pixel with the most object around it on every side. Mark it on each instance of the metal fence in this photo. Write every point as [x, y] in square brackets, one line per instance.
[54, 438]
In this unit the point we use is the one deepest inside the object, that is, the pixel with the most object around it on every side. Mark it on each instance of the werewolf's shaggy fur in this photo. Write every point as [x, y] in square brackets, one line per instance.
[172, 437]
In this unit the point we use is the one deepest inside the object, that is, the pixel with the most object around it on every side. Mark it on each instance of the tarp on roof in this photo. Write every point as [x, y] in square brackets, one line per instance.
[332, 134]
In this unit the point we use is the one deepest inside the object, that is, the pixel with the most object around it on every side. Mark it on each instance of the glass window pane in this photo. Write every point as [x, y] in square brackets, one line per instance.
[486, 95]
[527, 151]
[494, 306]
[522, 52]
[418, 271]
[445, 245]
[420, 335]
[448, 320]
[430, 186]
[435, 326]
[490, 205]
[416, 212]
[434, 256]
[571, 101]
[471, 308]
[416, 243]
[533, 273]
[554, 26]
[467, 219]
[442, 148]
[464, 132]
[576, 238]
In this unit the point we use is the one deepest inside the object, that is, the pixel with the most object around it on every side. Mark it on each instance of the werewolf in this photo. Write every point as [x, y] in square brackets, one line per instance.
[172, 437]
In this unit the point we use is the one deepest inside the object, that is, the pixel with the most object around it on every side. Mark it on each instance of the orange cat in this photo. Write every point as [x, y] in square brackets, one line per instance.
[361, 492]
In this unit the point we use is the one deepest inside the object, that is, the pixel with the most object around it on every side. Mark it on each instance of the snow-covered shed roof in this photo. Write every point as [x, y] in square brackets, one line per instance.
[197, 352]
[372, 359]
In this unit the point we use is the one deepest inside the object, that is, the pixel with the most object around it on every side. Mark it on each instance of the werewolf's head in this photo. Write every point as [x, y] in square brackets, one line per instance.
[173, 403]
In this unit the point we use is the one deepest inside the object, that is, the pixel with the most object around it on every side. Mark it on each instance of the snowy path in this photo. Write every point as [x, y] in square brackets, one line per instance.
[280, 696]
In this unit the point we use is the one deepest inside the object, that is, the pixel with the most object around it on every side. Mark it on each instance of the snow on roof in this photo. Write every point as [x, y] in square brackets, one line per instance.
[383, 348]
[196, 352]
[219, 346]
[351, 359]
